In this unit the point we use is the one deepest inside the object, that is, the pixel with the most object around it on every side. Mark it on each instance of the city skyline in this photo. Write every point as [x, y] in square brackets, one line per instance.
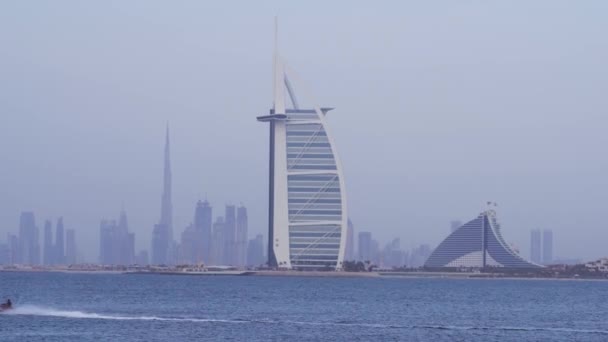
[117, 245]
[226, 240]
[395, 170]
[90, 140]
[31, 245]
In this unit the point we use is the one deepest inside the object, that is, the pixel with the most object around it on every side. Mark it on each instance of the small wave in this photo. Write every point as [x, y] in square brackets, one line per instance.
[443, 327]
[549, 329]
[566, 330]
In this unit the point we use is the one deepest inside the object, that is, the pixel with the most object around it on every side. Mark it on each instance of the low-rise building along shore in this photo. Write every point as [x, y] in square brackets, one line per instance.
[593, 270]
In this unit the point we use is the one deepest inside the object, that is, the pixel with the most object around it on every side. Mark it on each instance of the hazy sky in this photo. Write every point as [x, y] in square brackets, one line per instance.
[440, 107]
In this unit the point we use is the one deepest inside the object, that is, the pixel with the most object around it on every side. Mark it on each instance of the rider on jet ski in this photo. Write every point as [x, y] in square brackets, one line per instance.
[7, 305]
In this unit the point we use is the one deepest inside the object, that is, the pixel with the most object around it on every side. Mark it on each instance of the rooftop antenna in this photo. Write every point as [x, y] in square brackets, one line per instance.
[275, 58]
[279, 74]
[276, 34]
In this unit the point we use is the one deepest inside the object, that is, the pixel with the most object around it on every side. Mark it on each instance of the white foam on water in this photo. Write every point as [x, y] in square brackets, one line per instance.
[33, 310]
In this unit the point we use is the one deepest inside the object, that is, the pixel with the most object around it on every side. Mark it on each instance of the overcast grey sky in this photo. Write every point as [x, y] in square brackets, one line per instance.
[440, 106]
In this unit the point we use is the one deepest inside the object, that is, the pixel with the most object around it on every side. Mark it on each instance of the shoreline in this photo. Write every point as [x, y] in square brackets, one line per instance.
[317, 274]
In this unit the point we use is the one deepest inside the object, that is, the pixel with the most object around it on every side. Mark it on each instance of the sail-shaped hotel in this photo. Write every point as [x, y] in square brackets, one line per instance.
[307, 202]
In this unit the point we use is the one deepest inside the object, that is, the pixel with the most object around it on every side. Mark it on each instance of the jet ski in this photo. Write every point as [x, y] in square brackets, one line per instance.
[6, 306]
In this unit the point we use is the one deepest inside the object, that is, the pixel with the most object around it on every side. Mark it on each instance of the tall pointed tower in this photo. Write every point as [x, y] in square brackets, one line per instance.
[162, 235]
[166, 209]
[307, 202]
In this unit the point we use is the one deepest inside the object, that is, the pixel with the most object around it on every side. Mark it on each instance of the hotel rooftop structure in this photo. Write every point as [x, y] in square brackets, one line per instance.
[479, 244]
[307, 202]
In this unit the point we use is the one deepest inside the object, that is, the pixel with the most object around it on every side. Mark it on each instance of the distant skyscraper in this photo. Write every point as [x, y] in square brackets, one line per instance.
[375, 253]
[255, 251]
[349, 253]
[188, 246]
[123, 221]
[162, 235]
[241, 237]
[547, 246]
[13, 246]
[166, 212]
[203, 218]
[535, 246]
[29, 246]
[455, 225]
[106, 236]
[307, 202]
[49, 248]
[160, 245]
[392, 255]
[130, 251]
[70, 247]
[5, 255]
[173, 253]
[116, 244]
[129, 256]
[59, 258]
[126, 252]
[365, 246]
[217, 246]
[230, 236]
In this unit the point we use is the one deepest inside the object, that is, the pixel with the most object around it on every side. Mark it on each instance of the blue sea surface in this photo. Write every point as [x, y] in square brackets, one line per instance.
[117, 307]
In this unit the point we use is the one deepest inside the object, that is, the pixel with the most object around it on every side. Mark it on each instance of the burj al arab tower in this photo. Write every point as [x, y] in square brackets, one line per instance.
[307, 203]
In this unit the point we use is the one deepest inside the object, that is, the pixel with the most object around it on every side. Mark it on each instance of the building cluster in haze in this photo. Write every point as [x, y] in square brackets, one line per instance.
[116, 243]
[392, 255]
[204, 241]
[25, 247]
[223, 241]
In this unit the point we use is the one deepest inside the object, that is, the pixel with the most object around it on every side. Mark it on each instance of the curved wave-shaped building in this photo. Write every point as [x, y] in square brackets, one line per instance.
[307, 203]
[477, 243]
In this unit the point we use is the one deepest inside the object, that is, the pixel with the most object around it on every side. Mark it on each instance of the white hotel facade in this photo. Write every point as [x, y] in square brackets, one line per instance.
[307, 202]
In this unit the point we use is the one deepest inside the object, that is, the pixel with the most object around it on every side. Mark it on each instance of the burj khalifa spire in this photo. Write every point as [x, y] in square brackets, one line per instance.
[162, 235]
[166, 209]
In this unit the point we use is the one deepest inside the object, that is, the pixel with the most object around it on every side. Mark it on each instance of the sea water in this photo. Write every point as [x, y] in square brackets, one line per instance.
[122, 307]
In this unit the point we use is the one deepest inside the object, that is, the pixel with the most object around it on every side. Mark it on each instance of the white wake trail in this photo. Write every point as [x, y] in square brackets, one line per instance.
[33, 310]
